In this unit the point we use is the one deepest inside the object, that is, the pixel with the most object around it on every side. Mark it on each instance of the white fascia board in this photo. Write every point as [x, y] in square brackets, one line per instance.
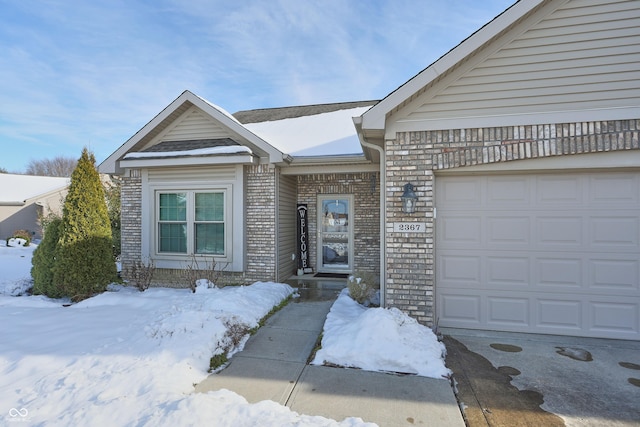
[375, 117]
[187, 161]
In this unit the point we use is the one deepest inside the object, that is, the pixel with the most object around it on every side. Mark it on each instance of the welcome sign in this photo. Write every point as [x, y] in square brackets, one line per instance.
[303, 242]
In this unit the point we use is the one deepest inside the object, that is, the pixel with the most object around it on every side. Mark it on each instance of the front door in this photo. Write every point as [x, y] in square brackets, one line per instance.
[335, 233]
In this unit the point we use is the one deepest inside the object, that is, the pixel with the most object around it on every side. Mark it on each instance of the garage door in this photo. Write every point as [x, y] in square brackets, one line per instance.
[546, 253]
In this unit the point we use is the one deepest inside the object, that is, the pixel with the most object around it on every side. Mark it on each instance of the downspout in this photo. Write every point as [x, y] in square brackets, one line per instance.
[383, 210]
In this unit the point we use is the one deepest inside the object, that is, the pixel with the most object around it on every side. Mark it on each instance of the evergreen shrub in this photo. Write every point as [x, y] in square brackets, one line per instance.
[43, 261]
[84, 262]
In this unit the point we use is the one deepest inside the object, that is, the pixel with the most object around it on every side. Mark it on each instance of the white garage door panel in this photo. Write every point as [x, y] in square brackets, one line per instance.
[553, 253]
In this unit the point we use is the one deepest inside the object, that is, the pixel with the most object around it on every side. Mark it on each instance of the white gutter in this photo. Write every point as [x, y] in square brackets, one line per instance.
[383, 210]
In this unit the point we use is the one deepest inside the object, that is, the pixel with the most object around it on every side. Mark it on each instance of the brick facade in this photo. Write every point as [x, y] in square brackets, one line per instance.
[365, 188]
[260, 228]
[131, 221]
[260, 222]
[415, 156]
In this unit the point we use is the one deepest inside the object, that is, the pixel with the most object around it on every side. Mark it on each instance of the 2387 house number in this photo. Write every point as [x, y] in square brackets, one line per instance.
[409, 227]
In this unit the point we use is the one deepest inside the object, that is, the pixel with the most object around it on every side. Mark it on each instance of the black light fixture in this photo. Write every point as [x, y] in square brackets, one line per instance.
[409, 199]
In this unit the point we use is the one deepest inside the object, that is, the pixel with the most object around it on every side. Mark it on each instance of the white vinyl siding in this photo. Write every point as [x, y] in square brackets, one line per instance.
[286, 230]
[193, 124]
[582, 57]
[545, 253]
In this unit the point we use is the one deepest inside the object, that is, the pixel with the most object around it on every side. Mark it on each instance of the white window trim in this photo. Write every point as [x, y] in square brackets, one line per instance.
[233, 261]
[191, 222]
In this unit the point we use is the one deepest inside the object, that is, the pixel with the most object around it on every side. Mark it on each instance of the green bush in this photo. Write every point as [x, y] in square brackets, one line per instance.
[84, 262]
[113, 191]
[22, 234]
[43, 261]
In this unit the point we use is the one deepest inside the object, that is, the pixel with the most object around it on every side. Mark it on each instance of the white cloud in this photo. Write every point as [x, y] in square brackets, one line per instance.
[74, 73]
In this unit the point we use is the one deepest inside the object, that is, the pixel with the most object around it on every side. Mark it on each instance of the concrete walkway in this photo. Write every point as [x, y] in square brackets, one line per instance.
[273, 366]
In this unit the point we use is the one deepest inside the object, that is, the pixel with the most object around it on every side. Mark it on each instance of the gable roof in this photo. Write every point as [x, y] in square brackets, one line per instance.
[17, 189]
[540, 61]
[310, 131]
[175, 110]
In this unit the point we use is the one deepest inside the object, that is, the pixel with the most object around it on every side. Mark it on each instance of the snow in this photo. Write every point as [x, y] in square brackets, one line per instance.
[18, 188]
[15, 268]
[378, 339]
[231, 149]
[325, 134]
[132, 358]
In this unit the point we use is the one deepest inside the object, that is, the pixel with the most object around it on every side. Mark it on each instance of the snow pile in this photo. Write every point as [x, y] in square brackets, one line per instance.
[378, 339]
[15, 268]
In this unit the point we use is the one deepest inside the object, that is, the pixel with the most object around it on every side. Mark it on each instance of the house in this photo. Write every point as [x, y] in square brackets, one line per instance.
[520, 146]
[25, 198]
[197, 180]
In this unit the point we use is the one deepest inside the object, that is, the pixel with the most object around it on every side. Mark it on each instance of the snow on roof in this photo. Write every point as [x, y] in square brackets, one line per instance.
[231, 149]
[325, 134]
[18, 188]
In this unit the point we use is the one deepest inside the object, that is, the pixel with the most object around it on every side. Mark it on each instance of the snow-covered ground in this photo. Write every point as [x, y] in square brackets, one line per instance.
[378, 339]
[132, 358]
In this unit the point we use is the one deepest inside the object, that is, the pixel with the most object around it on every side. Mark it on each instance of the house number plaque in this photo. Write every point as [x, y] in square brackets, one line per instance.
[409, 227]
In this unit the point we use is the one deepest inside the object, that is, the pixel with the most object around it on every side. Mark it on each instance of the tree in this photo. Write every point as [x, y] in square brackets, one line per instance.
[3, 170]
[58, 166]
[112, 192]
[43, 261]
[84, 258]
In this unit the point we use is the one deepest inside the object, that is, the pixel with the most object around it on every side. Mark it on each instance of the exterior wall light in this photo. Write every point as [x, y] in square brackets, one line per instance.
[409, 199]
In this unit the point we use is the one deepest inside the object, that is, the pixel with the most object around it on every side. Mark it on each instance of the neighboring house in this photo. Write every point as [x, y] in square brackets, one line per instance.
[522, 147]
[25, 198]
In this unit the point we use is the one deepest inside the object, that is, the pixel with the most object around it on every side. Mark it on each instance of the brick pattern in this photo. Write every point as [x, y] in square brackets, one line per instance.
[414, 156]
[260, 234]
[364, 187]
[131, 227]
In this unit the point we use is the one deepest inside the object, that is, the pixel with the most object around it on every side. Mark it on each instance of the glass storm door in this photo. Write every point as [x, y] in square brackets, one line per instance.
[335, 233]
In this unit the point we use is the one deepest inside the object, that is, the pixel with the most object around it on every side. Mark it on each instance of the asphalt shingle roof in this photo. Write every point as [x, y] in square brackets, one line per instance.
[274, 114]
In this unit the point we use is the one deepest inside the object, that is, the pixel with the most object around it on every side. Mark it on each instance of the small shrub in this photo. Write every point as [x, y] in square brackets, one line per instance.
[217, 361]
[362, 287]
[235, 332]
[200, 267]
[22, 234]
[142, 273]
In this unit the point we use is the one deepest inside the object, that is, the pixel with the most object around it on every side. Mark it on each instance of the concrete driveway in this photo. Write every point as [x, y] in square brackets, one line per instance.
[510, 379]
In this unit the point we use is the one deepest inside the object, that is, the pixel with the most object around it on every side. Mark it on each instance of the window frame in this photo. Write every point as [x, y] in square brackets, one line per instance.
[191, 222]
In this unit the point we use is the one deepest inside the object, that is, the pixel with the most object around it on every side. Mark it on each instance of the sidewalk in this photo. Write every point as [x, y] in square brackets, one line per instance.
[273, 366]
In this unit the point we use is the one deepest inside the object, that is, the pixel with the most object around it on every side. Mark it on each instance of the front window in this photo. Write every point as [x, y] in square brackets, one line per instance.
[172, 226]
[191, 222]
[209, 223]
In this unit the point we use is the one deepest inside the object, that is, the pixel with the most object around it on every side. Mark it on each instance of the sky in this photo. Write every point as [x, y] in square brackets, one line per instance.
[77, 73]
